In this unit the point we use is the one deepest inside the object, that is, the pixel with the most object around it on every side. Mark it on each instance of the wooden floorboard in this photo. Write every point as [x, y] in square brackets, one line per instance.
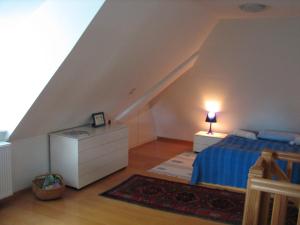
[86, 207]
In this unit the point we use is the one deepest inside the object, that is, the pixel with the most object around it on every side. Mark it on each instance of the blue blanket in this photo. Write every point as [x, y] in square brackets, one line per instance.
[228, 162]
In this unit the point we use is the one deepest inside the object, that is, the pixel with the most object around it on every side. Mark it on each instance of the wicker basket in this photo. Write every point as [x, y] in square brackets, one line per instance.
[45, 195]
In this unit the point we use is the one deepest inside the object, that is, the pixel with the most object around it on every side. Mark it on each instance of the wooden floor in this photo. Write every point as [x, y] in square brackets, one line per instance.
[85, 207]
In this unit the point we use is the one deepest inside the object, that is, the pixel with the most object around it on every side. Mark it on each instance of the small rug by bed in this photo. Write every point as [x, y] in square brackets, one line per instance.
[214, 204]
[180, 166]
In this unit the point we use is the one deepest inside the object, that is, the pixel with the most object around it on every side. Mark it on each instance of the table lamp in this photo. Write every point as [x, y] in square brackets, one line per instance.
[211, 118]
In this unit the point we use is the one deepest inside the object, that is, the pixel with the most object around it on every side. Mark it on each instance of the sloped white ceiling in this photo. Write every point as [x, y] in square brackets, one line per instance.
[129, 45]
[35, 39]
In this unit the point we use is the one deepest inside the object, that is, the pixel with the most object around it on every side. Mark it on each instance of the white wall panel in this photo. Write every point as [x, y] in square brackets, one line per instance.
[251, 67]
[30, 158]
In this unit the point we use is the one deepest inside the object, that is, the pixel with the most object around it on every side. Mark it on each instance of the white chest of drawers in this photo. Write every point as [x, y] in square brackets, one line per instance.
[203, 140]
[84, 155]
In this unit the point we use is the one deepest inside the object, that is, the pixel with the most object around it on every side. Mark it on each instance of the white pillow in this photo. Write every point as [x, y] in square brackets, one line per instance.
[275, 135]
[245, 134]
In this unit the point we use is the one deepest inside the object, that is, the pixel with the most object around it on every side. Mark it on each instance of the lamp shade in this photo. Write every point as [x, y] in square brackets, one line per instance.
[211, 117]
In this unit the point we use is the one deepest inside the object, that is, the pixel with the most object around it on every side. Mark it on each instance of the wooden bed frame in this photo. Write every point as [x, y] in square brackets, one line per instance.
[261, 187]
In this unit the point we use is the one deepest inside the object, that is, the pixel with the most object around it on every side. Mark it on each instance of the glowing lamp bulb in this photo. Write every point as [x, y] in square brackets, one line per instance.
[211, 115]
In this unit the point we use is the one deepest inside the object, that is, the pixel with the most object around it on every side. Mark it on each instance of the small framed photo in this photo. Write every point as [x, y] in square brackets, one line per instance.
[98, 119]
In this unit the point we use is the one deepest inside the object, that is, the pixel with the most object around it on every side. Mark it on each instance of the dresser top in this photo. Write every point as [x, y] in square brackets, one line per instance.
[88, 131]
[213, 135]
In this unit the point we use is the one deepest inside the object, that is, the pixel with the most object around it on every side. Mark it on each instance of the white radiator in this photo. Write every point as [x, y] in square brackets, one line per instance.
[5, 170]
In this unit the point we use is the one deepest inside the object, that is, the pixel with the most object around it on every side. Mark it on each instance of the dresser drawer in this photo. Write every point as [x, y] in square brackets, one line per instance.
[102, 161]
[206, 140]
[121, 161]
[99, 151]
[93, 142]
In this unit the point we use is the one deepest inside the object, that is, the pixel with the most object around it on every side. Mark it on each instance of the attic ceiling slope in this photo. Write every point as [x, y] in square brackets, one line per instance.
[129, 44]
[35, 39]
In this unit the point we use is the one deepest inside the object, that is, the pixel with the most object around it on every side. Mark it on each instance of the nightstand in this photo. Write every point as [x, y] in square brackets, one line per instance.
[203, 140]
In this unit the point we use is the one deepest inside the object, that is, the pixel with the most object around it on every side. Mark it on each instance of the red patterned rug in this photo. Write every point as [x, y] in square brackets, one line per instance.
[220, 205]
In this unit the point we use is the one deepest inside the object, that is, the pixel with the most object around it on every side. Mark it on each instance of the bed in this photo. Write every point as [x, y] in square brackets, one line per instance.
[228, 162]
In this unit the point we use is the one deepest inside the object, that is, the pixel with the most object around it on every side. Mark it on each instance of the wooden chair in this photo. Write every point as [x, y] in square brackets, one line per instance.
[261, 187]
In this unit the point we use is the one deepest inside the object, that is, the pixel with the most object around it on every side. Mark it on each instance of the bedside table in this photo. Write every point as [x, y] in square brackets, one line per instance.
[203, 140]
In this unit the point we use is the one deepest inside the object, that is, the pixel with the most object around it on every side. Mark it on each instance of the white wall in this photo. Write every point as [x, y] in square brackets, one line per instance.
[29, 158]
[135, 44]
[251, 67]
[129, 44]
[141, 127]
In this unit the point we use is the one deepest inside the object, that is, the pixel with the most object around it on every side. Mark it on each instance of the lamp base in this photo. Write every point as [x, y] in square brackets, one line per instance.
[210, 132]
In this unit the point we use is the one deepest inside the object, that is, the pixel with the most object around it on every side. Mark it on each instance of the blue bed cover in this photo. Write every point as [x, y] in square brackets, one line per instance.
[228, 162]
